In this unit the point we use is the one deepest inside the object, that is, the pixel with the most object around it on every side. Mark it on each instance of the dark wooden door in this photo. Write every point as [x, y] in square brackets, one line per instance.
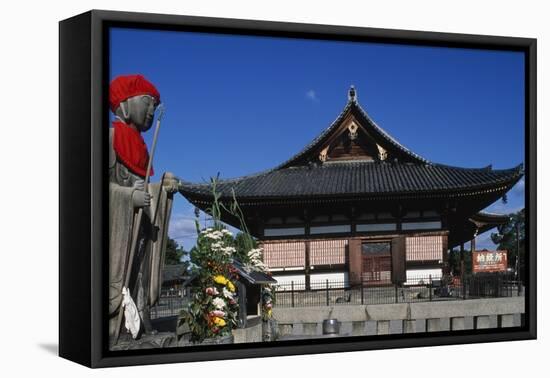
[376, 263]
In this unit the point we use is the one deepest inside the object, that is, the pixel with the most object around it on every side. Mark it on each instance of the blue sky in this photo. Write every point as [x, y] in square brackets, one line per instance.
[238, 104]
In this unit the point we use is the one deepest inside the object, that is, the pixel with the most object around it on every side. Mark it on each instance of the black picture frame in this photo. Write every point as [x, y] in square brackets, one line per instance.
[83, 72]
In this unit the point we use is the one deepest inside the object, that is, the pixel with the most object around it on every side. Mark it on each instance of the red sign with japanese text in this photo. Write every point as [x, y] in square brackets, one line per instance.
[489, 261]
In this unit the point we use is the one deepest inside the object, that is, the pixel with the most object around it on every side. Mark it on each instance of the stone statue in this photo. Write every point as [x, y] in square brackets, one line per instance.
[133, 100]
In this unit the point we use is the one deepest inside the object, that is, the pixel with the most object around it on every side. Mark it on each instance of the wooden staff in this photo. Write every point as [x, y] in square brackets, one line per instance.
[137, 221]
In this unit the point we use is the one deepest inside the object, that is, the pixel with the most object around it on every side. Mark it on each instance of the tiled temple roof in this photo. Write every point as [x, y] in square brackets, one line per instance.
[358, 178]
[405, 173]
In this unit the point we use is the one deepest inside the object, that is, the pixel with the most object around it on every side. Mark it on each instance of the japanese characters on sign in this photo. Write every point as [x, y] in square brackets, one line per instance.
[489, 261]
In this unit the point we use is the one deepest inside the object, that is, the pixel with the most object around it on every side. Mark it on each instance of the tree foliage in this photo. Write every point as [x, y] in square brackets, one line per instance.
[507, 239]
[174, 252]
[454, 262]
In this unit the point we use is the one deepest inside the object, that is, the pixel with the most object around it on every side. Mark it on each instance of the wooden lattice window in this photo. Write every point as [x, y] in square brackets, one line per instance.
[328, 252]
[285, 254]
[425, 248]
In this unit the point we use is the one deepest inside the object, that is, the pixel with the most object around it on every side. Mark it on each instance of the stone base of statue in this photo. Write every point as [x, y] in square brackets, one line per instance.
[218, 340]
[158, 340]
[185, 340]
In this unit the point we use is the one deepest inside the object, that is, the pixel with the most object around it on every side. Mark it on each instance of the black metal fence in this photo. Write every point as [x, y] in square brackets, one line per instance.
[329, 293]
[417, 289]
[171, 302]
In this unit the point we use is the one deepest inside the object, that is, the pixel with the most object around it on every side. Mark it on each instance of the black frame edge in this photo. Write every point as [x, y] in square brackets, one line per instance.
[99, 195]
[531, 181]
[321, 31]
[75, 334]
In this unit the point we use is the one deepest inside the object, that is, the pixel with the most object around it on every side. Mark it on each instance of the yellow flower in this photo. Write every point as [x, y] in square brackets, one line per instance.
[219, 321]
[230, 286]
[220, 279]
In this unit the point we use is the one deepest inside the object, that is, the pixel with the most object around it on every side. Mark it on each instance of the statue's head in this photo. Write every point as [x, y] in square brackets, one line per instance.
[134, 99]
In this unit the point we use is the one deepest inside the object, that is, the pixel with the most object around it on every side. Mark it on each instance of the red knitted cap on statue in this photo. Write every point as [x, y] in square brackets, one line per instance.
[124, 87]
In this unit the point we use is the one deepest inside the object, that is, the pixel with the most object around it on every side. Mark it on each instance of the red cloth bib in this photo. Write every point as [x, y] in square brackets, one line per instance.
[130, 148]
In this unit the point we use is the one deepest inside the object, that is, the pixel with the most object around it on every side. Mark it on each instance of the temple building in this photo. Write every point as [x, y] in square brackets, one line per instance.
[356, 206]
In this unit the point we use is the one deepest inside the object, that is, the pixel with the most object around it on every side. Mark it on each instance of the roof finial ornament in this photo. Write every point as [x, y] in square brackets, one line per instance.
[352, 94]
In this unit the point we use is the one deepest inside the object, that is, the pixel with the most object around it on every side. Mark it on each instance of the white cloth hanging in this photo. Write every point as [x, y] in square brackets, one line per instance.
[131, 315]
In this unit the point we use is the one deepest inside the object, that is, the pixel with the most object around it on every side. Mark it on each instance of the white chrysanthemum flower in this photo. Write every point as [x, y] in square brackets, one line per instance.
[227, 293]
[262, 267]
[219, 303]
[255, 253]
[228, 250]
[256, 263]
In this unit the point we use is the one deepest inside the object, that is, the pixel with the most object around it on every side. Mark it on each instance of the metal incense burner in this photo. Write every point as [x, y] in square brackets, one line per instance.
[331, 327]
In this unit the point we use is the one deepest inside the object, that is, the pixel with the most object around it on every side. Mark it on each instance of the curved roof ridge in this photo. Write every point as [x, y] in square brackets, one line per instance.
[351, 161]
[315, 140]
[488, 218]
[388, 137]
[489, 168]
[228, 180]
[489, 214]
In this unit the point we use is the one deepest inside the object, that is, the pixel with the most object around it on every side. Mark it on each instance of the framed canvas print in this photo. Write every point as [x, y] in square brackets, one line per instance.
[234, 188]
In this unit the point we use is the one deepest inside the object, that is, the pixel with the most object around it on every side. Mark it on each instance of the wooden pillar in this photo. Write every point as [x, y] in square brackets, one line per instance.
[445, 253]
[462, 260]
[307, 262]
[307, 266]
[399, 217]
[243, 316]
[473, 248]
[353, 221]
[306, 223]
[355, 262]
[398, 257]
[260, 224]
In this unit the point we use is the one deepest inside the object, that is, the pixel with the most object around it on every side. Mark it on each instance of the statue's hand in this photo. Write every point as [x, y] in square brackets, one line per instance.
[141, 198]
[139, 185]
[170, 182]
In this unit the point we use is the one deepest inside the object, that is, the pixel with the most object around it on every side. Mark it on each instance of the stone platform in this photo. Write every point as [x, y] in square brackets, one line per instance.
[366, 320]
[159, 340]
